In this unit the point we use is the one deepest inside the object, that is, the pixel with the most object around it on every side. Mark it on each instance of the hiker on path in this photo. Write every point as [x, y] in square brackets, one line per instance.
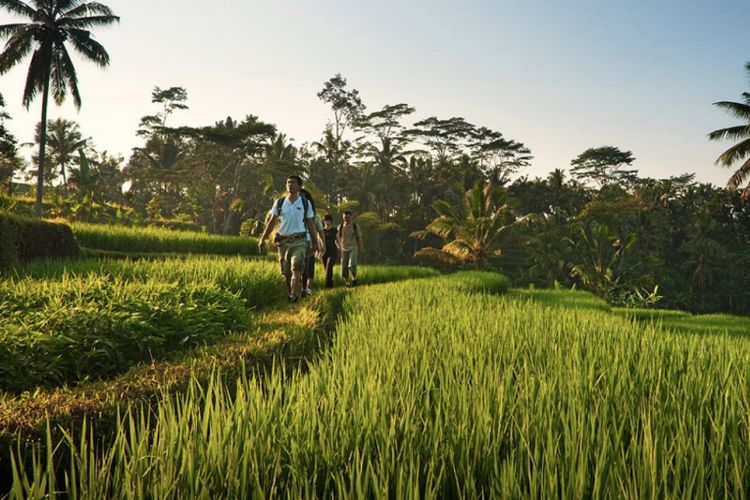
[308, 275]
[330, 249]
[297, 218]
[351, 245]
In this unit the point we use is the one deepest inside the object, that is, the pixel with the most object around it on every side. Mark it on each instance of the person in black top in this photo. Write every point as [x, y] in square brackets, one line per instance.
[330, 250]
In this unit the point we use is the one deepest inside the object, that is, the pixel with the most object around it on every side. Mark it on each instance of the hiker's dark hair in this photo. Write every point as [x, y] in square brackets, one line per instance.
[296, 178]
[328, 217]
[347, 212]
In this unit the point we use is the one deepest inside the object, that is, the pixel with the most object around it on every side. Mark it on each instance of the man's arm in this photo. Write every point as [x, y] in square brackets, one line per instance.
[269, 227]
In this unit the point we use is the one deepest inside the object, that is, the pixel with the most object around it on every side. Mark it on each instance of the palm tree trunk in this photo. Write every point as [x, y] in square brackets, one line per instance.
[42, 146]
[65, 181]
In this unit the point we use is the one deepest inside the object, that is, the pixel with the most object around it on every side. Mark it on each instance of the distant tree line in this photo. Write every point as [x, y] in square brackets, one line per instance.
[438, 189]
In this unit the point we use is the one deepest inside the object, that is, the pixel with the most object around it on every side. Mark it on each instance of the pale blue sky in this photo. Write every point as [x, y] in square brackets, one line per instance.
[559, 76]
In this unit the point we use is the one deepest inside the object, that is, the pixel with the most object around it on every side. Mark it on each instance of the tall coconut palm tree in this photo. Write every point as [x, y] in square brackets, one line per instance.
[52, 24]
[741, 150]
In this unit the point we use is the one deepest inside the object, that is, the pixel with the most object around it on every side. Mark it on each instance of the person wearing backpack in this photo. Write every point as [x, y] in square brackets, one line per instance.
[296, 216]
[352, 246]
[308, 275]
[331, 248]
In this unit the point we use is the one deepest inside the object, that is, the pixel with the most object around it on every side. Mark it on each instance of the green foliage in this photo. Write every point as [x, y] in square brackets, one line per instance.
[52, 27]
[160, 240]
[740, 151]
[476, 395]
[76, 329]
[24, 239]
[638, 298]
[603, 166]
[476, 236]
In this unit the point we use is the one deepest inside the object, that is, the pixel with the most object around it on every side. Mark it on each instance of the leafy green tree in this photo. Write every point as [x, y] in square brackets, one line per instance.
[499, 158]
[475, 236]
[170, 99]
[600, 257]
[279, 159]
[447, 139]
[604, 166]
[224, 165]
[740, 152]
[53, 23]
[10, 161]
[384, 162]
[347, 107]
[155, 170]
[346, 104]
[329, 166]
[64, 139]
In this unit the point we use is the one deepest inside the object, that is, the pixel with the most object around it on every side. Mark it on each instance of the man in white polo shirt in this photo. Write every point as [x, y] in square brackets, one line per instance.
[296, 215]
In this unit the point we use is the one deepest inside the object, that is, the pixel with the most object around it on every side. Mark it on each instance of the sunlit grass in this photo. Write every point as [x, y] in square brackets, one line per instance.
[450, 392]
[150, 240]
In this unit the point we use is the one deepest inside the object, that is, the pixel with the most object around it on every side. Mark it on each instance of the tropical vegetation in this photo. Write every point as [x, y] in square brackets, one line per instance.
[53, 23]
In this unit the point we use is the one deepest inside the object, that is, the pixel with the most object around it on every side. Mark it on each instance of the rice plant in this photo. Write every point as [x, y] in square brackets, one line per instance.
[437, 388]
[151, 240]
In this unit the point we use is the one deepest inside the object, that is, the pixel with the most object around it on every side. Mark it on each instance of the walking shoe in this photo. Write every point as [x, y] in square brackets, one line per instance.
[307, 291]
[354, 282]
[293, 299]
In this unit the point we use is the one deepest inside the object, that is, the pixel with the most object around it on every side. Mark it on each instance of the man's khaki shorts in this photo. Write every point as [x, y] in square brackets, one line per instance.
[292, 255]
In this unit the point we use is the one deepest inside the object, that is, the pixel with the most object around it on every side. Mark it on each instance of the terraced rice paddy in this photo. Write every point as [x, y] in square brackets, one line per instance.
[443, 387]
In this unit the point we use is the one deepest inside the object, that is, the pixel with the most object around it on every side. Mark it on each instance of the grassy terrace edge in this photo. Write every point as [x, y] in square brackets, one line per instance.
[275, 329]
[122, 240]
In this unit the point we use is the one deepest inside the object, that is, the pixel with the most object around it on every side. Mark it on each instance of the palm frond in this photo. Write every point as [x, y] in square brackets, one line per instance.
[88, 22]
[89, 9]
[737, 152]
[19, 8]
[738, 178]
[17, 47]
[441, 226]
[58, 83]
[420, 235]
[84, 44]
[68, 71]
[461, 250]
[734, 133]
[443, 208]
[437, 254]
[37, 74]
[736, 109]
[7, 30]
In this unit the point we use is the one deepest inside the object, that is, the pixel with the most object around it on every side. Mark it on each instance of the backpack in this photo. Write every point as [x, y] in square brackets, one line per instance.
[356, 229]
[280, 203]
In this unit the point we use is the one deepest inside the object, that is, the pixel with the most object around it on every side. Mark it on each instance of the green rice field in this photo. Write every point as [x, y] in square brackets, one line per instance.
[443, 386]
[152, 240]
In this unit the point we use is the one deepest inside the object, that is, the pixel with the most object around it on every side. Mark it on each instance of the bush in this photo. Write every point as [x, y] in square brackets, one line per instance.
[24, 239]
[90, 327]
